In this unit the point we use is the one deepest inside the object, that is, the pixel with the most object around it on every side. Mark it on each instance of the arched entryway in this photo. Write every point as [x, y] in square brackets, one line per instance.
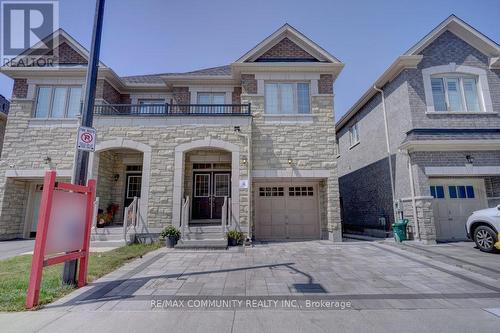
[122, 170]
[206, 171]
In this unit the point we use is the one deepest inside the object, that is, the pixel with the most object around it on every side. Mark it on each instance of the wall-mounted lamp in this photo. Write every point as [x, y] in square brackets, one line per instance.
[47, 160]
[290, 161]
[470, 159]
[244, 160]
[116, 177]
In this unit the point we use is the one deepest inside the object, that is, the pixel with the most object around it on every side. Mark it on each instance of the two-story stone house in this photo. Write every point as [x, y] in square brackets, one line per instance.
[425, 136]
[249, 145]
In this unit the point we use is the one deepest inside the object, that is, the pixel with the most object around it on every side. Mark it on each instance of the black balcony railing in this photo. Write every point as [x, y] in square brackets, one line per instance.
[172, 109]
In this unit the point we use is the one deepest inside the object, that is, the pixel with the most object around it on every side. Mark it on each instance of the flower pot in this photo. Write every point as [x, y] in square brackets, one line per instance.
[232, 242]
[170, 241]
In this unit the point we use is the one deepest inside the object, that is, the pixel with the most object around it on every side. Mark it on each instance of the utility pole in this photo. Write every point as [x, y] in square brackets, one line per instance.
[82, 157]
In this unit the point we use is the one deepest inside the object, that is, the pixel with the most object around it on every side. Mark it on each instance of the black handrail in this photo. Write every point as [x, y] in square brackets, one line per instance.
[172, 109]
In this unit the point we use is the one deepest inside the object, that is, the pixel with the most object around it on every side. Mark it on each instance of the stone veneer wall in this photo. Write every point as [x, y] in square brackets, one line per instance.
[3, 124]
[425, 215]
[310, 145]
[25, 153]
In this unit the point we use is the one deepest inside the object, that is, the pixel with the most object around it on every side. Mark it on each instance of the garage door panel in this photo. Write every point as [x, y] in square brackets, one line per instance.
[459, 198]
[294, 215]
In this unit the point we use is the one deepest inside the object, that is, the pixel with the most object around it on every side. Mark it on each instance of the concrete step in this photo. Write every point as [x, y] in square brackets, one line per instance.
[104, 237]
[201, 244]
[107, 243]
[203, 235]
[195, 228]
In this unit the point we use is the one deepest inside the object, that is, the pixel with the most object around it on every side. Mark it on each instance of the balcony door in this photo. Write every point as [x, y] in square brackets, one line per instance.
[209, 190]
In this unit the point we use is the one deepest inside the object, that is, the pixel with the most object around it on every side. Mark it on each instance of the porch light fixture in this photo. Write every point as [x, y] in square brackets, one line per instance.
[290, 161]
[116, 177]
[470, 159]
[47, 160]
[244, 160]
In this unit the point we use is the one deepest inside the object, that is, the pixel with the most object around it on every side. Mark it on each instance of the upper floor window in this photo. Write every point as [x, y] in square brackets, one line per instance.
[151, 105]
[287, 98]
[211, 98]
[58, 102]
[455, 93]
[353, 134]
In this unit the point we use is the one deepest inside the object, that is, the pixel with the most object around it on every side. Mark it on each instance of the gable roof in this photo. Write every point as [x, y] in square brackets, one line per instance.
[61, 37]
[463, 30]
[295, 36]
[412, 57]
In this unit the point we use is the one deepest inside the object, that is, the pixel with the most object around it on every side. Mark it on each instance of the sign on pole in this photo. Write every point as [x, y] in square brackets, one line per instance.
[86, 138]
[63, 231]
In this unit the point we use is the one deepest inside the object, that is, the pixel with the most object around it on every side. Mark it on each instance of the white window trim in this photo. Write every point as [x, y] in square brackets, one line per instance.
[212, 93]
[453, 70]
[51, 101]
[228, 90]
[135, 98]
[295, 100]
[352, 143]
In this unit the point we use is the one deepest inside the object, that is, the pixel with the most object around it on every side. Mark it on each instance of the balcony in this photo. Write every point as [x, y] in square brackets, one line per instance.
[167, 109]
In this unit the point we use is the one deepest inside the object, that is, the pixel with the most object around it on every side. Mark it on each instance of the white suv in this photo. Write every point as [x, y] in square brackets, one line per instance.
[483, 226]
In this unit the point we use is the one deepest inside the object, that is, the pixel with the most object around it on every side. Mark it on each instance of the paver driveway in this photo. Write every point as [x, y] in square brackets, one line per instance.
[368, 273]
[388, 287]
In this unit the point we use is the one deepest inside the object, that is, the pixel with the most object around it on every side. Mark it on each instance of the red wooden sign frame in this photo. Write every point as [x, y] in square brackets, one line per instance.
[39, 261]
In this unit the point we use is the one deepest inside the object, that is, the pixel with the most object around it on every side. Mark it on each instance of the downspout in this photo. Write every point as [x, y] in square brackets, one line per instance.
[412, 188]
[386, 126]
[237, 130]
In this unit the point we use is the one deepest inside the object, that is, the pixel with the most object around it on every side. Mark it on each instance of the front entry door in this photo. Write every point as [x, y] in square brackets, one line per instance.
[132, 188]
[209, 190]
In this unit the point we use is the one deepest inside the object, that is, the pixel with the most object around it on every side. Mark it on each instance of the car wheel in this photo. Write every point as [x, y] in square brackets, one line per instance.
[485, 238]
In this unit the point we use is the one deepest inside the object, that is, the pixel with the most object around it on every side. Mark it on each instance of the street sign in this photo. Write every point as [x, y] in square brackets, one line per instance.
[86, 138]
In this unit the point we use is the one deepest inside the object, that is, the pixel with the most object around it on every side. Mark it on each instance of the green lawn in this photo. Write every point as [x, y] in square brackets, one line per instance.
[14, 275]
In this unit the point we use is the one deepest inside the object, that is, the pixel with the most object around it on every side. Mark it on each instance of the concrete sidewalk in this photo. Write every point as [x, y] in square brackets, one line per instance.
[389, 289]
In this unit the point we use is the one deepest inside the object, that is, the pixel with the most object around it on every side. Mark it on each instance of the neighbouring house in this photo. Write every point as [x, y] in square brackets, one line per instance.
[428, 144]
[247, 146]
[4, 111]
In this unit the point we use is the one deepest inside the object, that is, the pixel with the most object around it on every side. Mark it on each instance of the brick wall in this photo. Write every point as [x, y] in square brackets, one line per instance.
[285, 49]
[236, 95]
[67, 55]
[325, 84]
[107, 92]
[20, 89]
[446, 49]
[248, 84]
[181, 95]
[366, 196]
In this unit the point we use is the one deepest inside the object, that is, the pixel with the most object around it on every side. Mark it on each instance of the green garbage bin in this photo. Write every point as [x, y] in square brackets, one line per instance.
[399, 229]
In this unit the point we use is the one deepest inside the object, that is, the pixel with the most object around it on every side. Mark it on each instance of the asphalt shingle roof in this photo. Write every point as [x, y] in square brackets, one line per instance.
[156, 78]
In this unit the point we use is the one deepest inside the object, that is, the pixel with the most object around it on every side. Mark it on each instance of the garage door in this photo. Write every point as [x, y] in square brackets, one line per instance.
[455, 200]
[286, 212]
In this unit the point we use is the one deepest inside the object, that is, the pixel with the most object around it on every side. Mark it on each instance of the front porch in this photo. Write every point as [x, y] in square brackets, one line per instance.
[206, 189]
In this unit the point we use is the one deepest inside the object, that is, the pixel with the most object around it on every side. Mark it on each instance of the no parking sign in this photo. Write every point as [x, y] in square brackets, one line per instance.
[86, 138]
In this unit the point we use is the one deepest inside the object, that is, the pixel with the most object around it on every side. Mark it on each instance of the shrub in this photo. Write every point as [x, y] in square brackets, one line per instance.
[170, 231]
[237, 235]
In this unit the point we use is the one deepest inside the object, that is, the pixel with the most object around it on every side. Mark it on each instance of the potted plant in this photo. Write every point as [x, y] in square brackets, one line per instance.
[171, 235]
[234, 237]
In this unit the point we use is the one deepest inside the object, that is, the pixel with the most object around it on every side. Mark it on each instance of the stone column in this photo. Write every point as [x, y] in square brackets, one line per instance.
[425, 218]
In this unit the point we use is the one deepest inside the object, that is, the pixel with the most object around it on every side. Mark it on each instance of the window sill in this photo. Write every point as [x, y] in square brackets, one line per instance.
[288, 118]
[354, 145]
[57, 122]
[459, 112]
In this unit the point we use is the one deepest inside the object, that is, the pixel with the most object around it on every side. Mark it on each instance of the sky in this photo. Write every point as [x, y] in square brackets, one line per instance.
[155, 36]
